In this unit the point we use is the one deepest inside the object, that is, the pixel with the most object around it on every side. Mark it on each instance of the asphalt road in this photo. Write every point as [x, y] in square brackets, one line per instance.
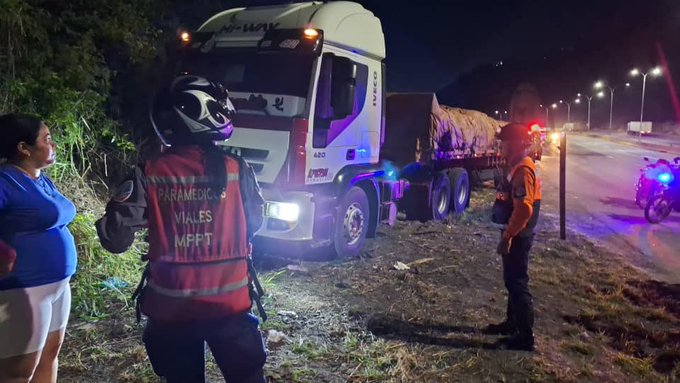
[600, 202]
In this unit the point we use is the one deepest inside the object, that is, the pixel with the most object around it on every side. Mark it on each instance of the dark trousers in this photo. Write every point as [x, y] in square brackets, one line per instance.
[177, 351]
[515, 275]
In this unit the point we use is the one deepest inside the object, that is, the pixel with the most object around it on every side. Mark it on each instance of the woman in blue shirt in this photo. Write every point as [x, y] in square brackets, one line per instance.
[39, 254]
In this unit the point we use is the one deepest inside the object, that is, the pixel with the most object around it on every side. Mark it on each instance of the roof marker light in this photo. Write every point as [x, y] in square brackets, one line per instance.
[311, 33]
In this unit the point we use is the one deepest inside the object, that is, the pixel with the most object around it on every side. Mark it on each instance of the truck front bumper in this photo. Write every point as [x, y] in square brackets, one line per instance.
[294, 223]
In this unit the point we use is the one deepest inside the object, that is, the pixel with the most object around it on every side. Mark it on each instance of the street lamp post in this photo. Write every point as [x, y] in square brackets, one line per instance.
[590, 98]
[599, 85]
[655, 72]
[554, 106]
[547, 108]
[569, 109]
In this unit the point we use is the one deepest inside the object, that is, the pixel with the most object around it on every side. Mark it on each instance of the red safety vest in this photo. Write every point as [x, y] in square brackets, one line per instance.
[197, 241]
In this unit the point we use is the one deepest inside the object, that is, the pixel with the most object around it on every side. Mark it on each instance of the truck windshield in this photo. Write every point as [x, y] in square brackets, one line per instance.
[249, 72]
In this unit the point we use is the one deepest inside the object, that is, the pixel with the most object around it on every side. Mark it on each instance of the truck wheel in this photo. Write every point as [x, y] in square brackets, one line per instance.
[460, 184]
[351, 223]
[440, 197]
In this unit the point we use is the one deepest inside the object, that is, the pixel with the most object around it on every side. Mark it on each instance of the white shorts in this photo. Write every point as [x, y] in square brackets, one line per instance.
[27, 315]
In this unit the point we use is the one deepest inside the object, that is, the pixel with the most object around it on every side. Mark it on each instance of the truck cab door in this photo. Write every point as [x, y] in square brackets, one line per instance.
[335, 95]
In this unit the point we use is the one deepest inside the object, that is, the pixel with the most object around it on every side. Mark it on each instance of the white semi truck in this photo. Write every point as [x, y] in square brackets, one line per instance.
[308, 82]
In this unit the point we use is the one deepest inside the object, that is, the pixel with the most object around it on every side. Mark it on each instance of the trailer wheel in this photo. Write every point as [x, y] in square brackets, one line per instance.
[460, 185]
[440, 197]
[351, 223]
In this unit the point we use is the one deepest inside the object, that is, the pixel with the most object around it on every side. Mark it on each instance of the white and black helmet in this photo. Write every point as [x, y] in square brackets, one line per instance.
[192, 110]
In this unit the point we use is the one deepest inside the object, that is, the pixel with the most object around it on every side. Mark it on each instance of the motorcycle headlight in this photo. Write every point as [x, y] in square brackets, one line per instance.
[665, 178]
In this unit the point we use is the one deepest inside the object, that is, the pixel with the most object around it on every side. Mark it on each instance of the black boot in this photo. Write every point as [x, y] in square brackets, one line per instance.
[504, 328]
[519, 341]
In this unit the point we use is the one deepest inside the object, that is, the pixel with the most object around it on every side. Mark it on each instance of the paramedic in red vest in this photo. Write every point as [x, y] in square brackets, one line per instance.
[201, 207]
[517, 207]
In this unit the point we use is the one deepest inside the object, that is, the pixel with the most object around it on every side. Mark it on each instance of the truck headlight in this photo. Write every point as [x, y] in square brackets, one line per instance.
[288, 212]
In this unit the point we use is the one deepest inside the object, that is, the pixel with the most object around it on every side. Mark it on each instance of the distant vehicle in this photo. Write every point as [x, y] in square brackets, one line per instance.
[573, 127]
[555, 137]
[633, 127]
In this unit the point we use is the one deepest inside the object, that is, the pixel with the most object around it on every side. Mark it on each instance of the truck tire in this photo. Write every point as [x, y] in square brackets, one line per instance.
[351, 223]
[440, 197]
[460, 187]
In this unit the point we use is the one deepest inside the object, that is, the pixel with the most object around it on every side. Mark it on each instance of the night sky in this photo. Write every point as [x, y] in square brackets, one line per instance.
[456, 48]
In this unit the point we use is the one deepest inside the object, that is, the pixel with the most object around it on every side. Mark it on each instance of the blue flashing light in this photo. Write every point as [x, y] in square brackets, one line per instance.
[665, 178]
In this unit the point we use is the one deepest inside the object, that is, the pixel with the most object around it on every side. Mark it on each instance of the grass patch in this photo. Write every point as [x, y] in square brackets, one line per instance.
[375, 360]
[102, 278]
[579, 348]
[309, 350]
[303, 375]
[641, 367]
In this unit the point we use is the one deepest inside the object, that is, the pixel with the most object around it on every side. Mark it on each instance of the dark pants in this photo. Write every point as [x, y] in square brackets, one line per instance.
[515, 275]
[177, 351]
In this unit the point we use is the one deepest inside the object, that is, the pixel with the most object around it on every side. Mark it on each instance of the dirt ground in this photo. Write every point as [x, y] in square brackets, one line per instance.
[362, 320]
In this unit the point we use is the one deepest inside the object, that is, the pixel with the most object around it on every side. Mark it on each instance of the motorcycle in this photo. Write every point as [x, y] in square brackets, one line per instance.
[647, 183]
[666, 195]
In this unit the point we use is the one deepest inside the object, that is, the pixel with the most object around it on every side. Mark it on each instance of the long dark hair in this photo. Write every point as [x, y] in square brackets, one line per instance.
[213, 161]
[215, 166]
[15, 128]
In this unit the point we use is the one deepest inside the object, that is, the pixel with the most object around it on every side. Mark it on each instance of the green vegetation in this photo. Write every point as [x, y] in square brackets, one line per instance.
[62, 62]
[105, 279]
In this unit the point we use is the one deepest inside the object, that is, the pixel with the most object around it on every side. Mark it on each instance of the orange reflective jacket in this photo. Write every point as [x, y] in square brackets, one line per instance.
[525, 193]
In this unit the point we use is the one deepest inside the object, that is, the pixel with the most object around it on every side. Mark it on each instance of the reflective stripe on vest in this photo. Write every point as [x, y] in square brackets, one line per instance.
[192, 293]
[185, 180]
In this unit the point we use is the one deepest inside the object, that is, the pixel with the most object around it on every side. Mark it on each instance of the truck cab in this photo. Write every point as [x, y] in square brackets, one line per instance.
[307, 81]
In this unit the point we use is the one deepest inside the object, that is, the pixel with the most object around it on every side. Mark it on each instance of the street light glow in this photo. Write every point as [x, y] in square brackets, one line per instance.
[627, 84]
[496, 112]
[656, 71]
[600, 95]
[634, 72]
[578, 101]
[578, 94]
[554, 106]
[561, 102]
[598, 85]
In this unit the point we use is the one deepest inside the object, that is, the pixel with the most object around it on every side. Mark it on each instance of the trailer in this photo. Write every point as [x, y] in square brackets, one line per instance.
[439, 150]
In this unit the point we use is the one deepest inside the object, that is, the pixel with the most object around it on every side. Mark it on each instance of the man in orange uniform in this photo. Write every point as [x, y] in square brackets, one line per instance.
[517, 207]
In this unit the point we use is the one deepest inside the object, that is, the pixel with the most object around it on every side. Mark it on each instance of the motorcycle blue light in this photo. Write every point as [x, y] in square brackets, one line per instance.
[665, 178]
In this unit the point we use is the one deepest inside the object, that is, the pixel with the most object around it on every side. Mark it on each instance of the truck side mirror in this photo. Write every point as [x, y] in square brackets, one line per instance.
[343, 87]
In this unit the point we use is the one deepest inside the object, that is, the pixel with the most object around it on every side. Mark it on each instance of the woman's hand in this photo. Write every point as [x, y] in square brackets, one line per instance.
[7, 258]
